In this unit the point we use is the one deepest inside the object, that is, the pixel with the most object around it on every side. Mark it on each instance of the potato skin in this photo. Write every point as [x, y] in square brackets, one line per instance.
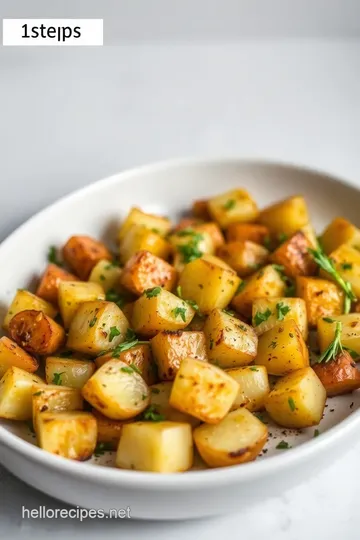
[36, 332]
[49, 284]
[13, 355]
[339, 376]
[26, 300]
[170, 348]
[294, 256]
[139, 356]
[236, 439]
[243, 256]
[144, 270]
[68, 372]
[287, 216]
[16, 389]
[82, 253]
[253, 232]
[322, 298]
[339, 231]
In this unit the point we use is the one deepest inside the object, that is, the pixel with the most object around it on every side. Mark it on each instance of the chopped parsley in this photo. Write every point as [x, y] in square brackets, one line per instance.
[291, 403]
[283, 445]
[125, 346]
[335, 346]
[38, 393]
[282, 237]
[130, 334]
[273, 345]
[229, 312]
[179, 311]
[267, 242]
[93, 321]
[52, 256]
[240, 287]
[230, 204]
[65, 354]
[151, 414]
[136, 369]
[102, 277]
[191, 303]
[57, 378]
[261, 317]
[113, 333]
[151, 293]
[281, 311]
[190, 251]
[211, 345]
[113, 296]
[155, 390]
[127, 369]
[346, 266]
[254, 368]
[316, 433]
[101, 448]
[328, 319]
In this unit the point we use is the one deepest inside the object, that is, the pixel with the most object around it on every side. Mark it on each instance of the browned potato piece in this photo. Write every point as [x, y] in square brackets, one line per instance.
[143, 239]
[68, 434]
[68, 372]
[266, 282]
[16, 389]
[339, 376]
[203, 390]
[54, 398]
[243, 256]
[340, 231]
[160, 405]
[108, 430]
[322, 298]
[139, 356]
[26, 300]
[238, 438]
[294, 256]
[286, 216]
[230, 342]
[13, 355]
[170, 348]
[239, 232]
[350, 331]
[74, 293]
[346, 260]
[267, 312]
[82, 253]
[213, 230]
[232, 207]
[36, 332]
[144, 270]
[49, 284]
[200, 209]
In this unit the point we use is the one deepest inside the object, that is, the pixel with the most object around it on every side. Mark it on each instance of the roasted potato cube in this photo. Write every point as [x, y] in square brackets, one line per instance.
[16, 389]
[339, 231]
[108, 430]
[322, 298]
[266, 282]
[253, 232]
[191, 243]
[49, 285]
[26, 300]
[137, 217]
[82, 253]
[66, 372]
[230, 342]
[139, 356]
[203, 390]
[350, 331]
[339, 376]
[200, 209]
[158, 310]
[117, 391]
[163, 447]
[294, 256]
[310, 234]
[144, 271]
[209, 282]
[53, 398]
[243, 256]
[346, 260]
[267, 312]
[282, 349]
[297, 400]
[285, 217]
[253, 387]
[106, 274]
[96, 327]
[213, 230]
[74, 293]
[143, 239]
[238, 438]
[233, 207]
[170, 348]
[160, 405]
[13, 355]
[71, 434]
[36, 332]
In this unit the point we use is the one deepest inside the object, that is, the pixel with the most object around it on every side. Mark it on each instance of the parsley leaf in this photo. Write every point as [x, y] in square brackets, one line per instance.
[52, 256]
[102, 447]
[261, 317]
[316, 433]
[127, 369]
[151, 293]
[328, 319]
[230, 204]
[190, 251]
[136, 369]
[113, 333]
[346, 266]
[291, 403]
[57, 378]
[240, 287]
[113, 296]
[254, 368]
[282, 237]
[93, 321]
[283, 445]
[281, 311]
[151, 414]
[179, 311]
[130, 334]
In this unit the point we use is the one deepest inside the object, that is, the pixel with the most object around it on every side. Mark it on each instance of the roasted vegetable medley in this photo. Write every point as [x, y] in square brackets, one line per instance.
[175, 343]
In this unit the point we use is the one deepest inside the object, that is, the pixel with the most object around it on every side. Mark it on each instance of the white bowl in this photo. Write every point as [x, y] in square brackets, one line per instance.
[169, 188]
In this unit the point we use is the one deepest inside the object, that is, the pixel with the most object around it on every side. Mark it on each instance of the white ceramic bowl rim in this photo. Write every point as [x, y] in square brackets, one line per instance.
[208, 477]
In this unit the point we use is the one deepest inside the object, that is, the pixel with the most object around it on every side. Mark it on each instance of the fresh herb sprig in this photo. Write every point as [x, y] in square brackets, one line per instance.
[334, 348]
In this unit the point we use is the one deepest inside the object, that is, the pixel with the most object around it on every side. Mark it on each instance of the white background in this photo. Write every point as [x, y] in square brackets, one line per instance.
[69, 117]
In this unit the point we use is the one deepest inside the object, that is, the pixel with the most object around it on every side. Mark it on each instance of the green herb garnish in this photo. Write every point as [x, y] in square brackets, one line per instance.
[282, 237]
[65, 354]
[127, 369]
[52, 256]
[102, 447]
[281, 311]
[335, 346]
[155, 390]
[136, 369]
[316, 433]
[230, 204]
[267, 242]
[253, 368]
[113, 333]
[229, 312]
[273, 345]
[152, 415]
[38, 393]
[328, 319]
[57, 378]
[179, 311]
[151, 293]
[113, 296]
[93, 321]
[283, 445]
[346, 266]
[291, 403]
[240, 287]
[261, 317]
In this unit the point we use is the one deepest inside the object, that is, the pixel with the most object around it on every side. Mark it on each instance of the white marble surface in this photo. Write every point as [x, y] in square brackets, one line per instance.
[71, 117]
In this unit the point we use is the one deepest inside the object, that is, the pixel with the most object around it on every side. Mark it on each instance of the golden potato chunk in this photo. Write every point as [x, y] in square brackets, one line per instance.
[322, 298]
[209, 282]
[106, 274]
[266, 282]
[139, 356]
[170, 348]
[16, 390]
[243, 256]
[53, 398]
[203, 390]
[163, 447]
[13, 355]
[161, 408]
[285, 217]
[294, 256]
[200, 210]
[346, 260]
[158, 310]
[137, 217]
[82, 253]
[339, 231]
[143, 239]
[230, 342]
[350, 331]
[49, 285]
[36, 332]
[238, 438]
[213, 230]
[74, 293]
[282, 349]
[339, 376]
[233, 207]
[267, 312]
[108, 430]
[189, 244]
[65, 372]
[253, 232]
[96, 327]
[297, 400]
[71, 434]
[117, 391]
[24, 300]
[253, 387]
[144, 271]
